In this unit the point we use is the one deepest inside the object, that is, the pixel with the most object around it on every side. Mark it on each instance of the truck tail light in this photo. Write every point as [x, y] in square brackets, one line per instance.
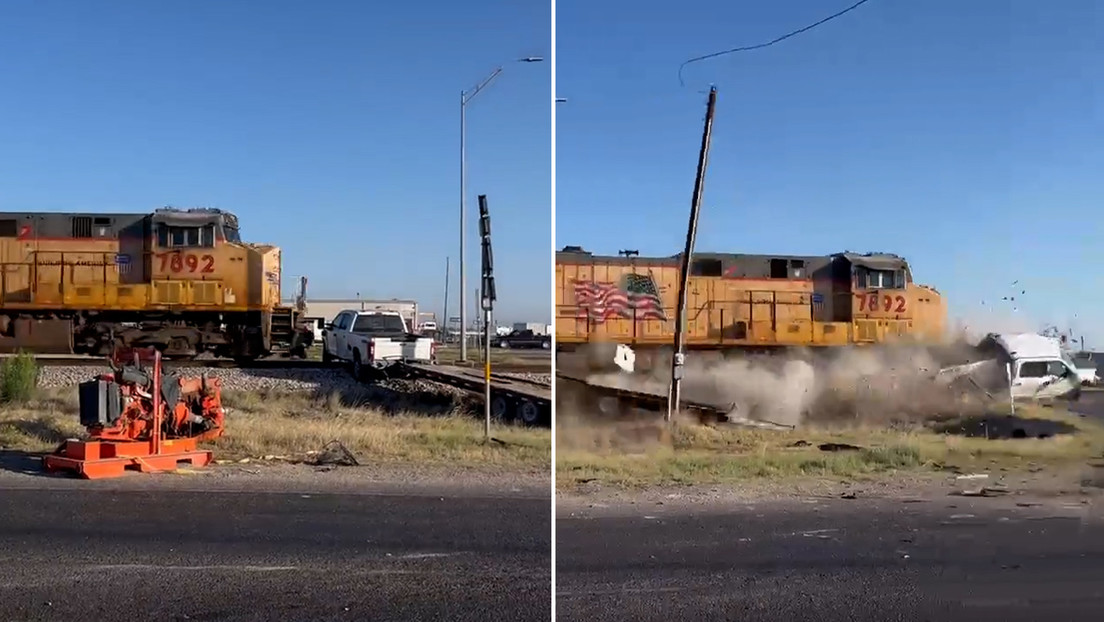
[371, 350]
[433, 350]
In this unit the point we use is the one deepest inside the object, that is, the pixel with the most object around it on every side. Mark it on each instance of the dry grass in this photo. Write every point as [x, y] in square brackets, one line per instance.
[41, 424]
[289, 424]
[292, 424]
[689, 453]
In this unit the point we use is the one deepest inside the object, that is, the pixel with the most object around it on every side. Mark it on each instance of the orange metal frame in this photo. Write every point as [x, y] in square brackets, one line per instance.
[100, 458]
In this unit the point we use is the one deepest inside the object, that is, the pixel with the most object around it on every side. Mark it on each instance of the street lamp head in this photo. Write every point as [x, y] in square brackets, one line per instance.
[531, 59]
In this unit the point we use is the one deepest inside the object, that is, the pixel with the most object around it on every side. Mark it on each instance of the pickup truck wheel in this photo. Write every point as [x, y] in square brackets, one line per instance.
[505, 345]
[546, 345]
[528, 413]
[326, 356]
[358, 367]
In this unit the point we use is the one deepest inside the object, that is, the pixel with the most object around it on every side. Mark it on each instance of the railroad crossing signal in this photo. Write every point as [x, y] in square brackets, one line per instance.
[488, 285]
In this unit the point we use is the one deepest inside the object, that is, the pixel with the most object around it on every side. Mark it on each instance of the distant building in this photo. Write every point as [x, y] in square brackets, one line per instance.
[329, 308]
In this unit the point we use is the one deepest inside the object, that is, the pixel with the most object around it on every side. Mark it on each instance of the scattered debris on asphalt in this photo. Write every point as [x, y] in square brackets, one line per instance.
[984, 491]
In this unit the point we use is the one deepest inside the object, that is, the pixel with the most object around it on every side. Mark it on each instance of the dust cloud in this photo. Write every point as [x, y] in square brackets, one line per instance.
[974, 324]
[847, 386]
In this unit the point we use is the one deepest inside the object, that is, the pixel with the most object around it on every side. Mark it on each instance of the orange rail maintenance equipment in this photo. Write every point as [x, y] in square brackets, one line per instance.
[138, 419]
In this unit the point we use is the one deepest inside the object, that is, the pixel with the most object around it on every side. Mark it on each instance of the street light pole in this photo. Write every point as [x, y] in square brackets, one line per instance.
[465, 97]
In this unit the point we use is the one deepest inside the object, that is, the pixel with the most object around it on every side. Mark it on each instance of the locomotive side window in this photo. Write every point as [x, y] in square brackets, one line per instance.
[169, 236]
[882, 279]
[101, 227]
[779, 269]
[706, 267]
[8, 229]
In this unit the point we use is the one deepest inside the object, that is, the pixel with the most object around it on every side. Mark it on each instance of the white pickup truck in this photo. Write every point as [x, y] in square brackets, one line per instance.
[373, 341]
[1040, 370]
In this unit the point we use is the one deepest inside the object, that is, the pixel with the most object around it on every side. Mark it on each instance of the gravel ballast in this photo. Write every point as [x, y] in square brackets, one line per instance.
[265, 379]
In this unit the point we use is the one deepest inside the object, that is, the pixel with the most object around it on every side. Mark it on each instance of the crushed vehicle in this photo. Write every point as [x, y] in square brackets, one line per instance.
[1027, 366]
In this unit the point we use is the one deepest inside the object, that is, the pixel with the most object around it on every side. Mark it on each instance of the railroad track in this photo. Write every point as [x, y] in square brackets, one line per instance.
[269, 363]
[97, 361]
[501, 376]
[621, 402]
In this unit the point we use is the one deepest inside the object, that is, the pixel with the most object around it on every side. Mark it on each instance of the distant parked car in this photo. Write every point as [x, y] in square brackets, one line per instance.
[1088, 376]
[520, 339]
[1086, 371]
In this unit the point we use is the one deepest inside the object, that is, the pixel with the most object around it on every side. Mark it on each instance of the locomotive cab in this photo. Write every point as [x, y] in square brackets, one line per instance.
[885, 304]
[179, 280]
[879, 304]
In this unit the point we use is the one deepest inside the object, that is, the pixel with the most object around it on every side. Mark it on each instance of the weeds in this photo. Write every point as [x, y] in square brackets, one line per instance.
[648, 454]
[291, 424]
[18, 379]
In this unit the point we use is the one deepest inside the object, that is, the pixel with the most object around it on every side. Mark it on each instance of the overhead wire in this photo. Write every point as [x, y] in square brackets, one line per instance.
[759, 46]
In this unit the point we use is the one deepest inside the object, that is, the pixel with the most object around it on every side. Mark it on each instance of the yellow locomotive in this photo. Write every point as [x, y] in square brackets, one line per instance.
[180, 280]
[737, 301]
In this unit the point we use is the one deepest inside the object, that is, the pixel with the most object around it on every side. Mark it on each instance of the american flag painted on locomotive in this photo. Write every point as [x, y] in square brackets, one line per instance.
[636, 296]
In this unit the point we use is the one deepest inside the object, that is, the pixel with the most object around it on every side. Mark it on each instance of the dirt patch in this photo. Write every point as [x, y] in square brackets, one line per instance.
[860, 413]
[642, 454]
[1005, 427]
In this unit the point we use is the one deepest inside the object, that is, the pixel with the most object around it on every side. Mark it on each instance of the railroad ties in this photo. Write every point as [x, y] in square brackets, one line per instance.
[63, 360]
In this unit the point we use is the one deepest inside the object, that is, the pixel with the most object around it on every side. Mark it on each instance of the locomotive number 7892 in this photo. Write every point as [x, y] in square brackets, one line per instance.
[186, 262]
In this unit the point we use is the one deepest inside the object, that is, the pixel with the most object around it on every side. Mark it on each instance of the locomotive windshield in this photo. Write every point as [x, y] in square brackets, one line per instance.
[231, 234]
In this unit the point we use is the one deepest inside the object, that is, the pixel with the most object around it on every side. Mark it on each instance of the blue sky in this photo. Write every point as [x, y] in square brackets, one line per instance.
[965, 136]
[330, 128]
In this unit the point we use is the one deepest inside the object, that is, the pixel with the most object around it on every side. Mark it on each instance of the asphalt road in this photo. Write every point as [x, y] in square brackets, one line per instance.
[1091, 404]
[99, 555]
[943, 560]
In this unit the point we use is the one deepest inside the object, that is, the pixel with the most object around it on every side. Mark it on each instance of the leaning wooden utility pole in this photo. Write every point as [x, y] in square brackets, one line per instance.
[675, 393]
